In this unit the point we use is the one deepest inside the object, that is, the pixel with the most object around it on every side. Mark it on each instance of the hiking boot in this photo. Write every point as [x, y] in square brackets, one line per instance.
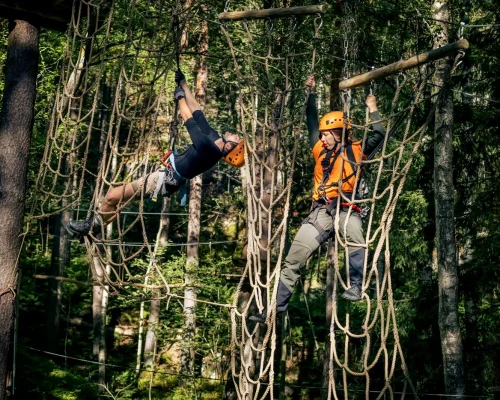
[259, 318]
[83, 228]
[354, 293]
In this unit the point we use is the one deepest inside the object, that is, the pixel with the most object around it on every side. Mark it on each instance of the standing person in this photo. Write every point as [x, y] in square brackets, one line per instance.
[327, 143]
[207, 148]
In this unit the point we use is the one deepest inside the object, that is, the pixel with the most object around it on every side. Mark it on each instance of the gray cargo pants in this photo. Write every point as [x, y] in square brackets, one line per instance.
[308, 239]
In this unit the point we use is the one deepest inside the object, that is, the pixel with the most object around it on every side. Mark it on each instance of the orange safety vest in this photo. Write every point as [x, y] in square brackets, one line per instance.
[336, 175]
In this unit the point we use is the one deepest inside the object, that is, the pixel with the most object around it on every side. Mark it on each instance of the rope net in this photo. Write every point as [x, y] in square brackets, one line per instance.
[111, 105]
[271, 108]
[270, 82]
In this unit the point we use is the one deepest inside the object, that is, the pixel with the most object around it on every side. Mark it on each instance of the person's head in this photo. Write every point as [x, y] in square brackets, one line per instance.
[233, 150]
[331, 127]
[230, 140]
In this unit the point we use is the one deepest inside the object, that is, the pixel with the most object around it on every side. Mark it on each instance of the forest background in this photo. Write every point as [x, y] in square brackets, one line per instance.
[59, 337]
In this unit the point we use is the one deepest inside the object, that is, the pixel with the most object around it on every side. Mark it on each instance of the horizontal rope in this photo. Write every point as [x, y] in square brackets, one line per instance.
[223, 379]
[165, 245]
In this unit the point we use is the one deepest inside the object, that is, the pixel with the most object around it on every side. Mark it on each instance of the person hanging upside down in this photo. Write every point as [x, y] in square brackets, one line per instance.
[327, 143]
[207, 148]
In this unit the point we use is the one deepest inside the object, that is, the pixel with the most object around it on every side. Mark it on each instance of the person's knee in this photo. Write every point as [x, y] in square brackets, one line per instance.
[289, 274]
[114, 196]
[297, 256]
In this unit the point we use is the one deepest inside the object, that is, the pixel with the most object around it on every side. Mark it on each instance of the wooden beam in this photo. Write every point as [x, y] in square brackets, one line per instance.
[273, 12]
[403, 65]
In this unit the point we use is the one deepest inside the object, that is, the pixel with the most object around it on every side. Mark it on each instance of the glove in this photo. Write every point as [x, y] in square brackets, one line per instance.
[179, 77]
[179, 94]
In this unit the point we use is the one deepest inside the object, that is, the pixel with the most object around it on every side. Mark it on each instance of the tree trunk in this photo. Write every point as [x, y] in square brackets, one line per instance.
[99, 307]
[150, 342]
[330, 277]
[451, 339]
[151, 338]
[164, 222]
[59, 261]
[15, 134]
[100, 293]
[192, 260]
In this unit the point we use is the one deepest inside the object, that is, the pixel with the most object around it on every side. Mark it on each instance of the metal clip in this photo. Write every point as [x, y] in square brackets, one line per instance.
[372, 83]
[346, 95]
[269, 24]
[294, 23]
[460, 56]
[397, 78]
[317, 25]
[365, 211]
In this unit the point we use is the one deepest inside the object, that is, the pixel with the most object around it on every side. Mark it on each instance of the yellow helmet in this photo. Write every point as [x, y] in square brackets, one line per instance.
[236, 157]
[333, 120]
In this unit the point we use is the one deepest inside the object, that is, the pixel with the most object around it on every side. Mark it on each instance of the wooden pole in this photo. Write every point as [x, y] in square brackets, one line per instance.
[403, 65]
[273, 12]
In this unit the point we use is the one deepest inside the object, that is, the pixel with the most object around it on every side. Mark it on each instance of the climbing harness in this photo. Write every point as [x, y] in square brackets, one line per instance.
[328, 165]
[168, 178]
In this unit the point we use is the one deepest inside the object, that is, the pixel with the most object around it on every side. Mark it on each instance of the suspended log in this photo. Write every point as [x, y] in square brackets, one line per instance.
[403, 65]
[273, 12]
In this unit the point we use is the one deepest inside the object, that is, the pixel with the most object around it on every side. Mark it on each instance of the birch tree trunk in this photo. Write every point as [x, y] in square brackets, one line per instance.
[100, 294]
[99, 308]
[151, 339]
[192, 260]
[451, 338]
[330, 276]
[59, 261]
[150, 342]
[16, 125]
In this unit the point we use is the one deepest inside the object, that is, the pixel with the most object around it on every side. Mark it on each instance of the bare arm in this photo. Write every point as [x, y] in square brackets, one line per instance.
[184, 109]
[190, 99]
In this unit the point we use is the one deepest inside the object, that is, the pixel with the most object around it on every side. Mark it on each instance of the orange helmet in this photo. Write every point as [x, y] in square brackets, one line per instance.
[236, 157]
[333, 120]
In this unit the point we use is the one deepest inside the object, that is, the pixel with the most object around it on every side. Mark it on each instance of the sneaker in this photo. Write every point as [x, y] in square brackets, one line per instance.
[354, 293]
[82, 228]
[171, 182]
[171, 178]
[259, 318]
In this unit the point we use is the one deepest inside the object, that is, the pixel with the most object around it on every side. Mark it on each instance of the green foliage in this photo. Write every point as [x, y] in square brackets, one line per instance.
[379, 33]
